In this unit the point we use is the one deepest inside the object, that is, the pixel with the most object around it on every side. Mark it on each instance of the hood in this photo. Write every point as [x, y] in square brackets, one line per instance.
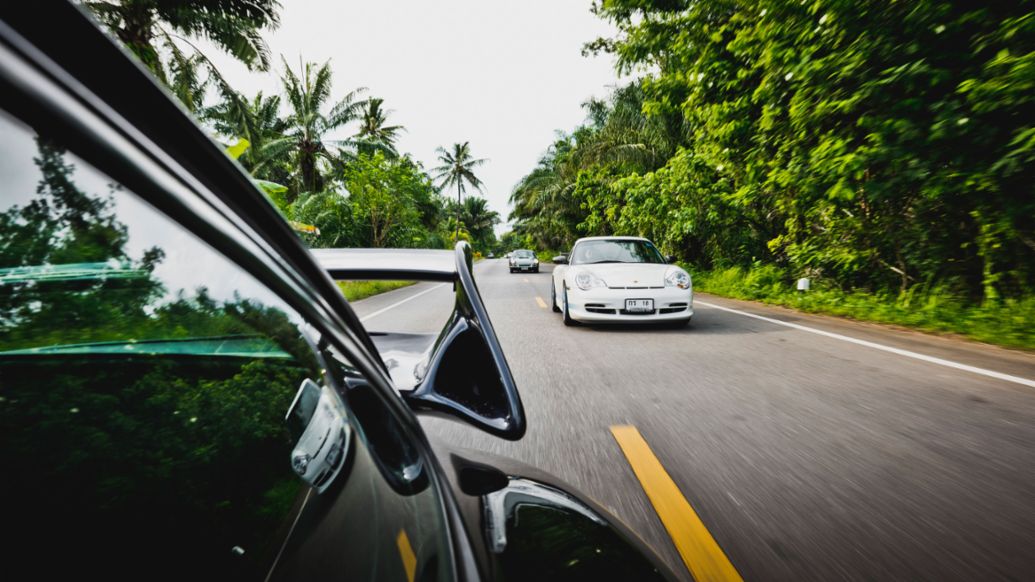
[629, 274]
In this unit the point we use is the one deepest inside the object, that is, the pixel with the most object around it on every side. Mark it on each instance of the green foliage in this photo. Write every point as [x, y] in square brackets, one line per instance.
[882, 147]
[145, 27]
[937, 309]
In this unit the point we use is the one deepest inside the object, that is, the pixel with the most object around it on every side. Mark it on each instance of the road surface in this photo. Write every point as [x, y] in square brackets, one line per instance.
[806, 456]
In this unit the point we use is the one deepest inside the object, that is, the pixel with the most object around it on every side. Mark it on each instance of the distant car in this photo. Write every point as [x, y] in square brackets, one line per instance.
[491, 256]
[524, 260]
[620, 279]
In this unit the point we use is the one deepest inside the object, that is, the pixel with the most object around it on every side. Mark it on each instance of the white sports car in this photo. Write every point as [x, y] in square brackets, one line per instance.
[620, 279]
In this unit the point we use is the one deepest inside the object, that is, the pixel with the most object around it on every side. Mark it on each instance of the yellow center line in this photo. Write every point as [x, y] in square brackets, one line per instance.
[409, 560]
[539, 300]
[701, 554]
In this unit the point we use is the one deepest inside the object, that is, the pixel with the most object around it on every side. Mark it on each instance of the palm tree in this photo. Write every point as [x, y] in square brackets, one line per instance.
[185, 78]
[458, 169]
[478, 218]
[373, 134]
[258, 121]
[233, 25]
[308, 127]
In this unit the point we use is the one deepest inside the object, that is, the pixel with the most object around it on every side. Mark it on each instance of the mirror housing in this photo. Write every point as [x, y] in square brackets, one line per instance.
[461, 373]
[670, 258]
[560, 259]
[466, 374]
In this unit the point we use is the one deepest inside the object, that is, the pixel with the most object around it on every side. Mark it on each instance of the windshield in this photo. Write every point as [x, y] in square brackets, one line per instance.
[524, 254]
[615, 251]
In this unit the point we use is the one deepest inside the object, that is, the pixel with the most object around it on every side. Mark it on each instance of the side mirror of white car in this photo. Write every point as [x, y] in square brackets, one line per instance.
[561, 259]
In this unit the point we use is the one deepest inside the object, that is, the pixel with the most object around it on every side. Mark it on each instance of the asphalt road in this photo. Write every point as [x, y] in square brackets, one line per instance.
[806, 456]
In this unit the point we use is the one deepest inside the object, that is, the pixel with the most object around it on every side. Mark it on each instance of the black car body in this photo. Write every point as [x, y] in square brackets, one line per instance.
[174, 363]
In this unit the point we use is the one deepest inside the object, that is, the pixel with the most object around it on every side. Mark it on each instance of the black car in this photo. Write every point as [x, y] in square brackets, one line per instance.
[185, 394]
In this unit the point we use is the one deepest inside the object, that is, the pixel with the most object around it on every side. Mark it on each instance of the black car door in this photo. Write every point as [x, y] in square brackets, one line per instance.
[173, 404]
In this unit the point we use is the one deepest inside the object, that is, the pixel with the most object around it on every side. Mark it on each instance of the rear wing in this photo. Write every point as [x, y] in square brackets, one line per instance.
[385, 264]
[463, 372]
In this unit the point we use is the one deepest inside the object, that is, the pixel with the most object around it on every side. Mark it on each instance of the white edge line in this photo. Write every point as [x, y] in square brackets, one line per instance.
[876, 346]
[398, 303]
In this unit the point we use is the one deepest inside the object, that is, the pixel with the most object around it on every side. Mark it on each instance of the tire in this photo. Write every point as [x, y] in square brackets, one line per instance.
[568, 321]
[553, 298]
[535, 270]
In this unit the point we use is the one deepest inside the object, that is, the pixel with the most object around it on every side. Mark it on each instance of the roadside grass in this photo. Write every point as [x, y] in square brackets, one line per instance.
[356, 290]
[1008, 323]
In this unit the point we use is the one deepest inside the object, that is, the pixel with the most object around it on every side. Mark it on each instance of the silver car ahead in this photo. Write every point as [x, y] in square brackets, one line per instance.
[524, 260]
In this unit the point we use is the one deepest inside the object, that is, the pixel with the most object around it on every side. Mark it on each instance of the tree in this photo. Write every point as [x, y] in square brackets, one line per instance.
[258, 121]
[308, 127]
[233, 25]
[374, 135]
[479, 221]
[458, 169]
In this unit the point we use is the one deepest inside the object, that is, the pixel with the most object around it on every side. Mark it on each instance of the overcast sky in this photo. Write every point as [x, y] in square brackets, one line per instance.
[502, 74]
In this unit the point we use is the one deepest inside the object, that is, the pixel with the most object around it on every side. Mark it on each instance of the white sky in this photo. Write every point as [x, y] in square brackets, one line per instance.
[502, 74]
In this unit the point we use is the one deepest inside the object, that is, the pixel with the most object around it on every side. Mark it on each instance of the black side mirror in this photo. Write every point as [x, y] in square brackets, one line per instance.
[466, 374]
[561, 259]
[670, 258]
[461, 373]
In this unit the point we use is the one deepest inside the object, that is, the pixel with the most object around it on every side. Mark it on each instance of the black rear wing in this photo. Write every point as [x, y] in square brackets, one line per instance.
[464, 373]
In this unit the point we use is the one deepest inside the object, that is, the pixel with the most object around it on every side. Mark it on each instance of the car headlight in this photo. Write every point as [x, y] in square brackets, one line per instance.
[677, 278]
[587, 280]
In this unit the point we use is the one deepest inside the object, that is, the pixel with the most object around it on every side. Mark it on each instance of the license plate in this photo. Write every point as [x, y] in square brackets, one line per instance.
[639, 305]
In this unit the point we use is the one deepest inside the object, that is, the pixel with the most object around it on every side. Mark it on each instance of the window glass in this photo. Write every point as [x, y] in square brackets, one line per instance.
[162, 412]
[615, 251]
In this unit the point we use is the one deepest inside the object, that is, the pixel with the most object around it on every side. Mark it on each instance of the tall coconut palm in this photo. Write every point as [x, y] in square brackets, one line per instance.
[374, 135]
[308, 127]
[458, 169]
[233, 25]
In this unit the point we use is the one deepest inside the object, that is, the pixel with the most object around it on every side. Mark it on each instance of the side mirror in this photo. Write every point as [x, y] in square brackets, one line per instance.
[461, 373]
[670, 258]
[466, 375]
[561, 259]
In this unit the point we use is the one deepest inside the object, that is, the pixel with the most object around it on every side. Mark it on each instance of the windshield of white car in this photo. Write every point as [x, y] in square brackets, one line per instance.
[524, 254]
[594, 252]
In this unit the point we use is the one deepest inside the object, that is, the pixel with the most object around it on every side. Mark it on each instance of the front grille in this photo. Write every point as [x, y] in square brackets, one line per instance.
[633, 287]
[673, 308]
[599, 308]
[624, 312]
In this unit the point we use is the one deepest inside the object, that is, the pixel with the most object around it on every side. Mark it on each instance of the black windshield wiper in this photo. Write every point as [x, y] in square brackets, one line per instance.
[601, 262]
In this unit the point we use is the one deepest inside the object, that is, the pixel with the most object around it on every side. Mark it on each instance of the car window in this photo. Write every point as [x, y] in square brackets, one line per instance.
[163, 413]
[524, 254]
[615, 251]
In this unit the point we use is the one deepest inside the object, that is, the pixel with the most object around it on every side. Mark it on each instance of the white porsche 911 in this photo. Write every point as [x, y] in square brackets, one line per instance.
[620, 279]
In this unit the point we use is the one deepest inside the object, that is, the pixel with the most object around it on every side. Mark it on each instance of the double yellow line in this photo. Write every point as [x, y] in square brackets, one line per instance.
[699, 550]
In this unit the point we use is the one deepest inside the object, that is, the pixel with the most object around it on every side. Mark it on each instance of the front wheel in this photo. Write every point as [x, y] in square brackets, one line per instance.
[553, 298]
[568, 321]
[535, 270]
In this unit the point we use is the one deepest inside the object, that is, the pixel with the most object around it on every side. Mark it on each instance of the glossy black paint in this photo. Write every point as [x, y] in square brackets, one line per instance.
[60, 74]
[463, 373]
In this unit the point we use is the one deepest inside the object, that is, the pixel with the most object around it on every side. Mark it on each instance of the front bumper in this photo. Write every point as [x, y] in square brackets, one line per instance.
[524, 266]
[608, 305]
